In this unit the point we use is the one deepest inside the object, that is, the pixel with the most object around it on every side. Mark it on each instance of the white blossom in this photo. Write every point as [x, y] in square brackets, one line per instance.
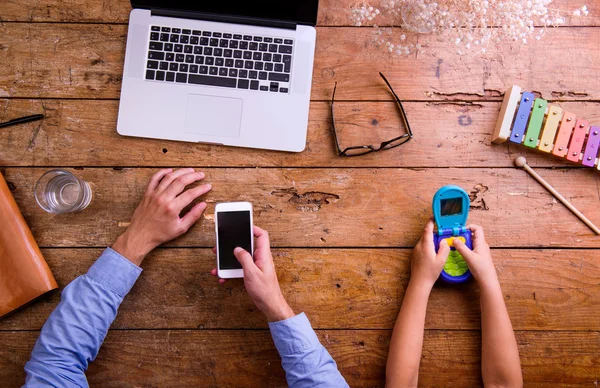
[465, 22]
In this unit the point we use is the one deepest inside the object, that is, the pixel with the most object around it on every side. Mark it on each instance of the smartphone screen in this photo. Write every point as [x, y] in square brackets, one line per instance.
[234, 231]
[451, 206]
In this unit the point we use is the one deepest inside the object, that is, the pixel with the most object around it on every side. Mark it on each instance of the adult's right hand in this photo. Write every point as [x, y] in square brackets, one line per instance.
[260, 278]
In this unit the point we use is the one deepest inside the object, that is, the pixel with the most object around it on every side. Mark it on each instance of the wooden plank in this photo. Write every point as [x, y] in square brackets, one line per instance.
[446, 134]
[337, 12]
[202, 358]
[75, 61]
[337, 288]
[331, 12]
[334, 207]
[70, 11]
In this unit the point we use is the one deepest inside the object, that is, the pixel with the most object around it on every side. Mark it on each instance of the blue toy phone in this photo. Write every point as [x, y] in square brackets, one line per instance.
[450, 211]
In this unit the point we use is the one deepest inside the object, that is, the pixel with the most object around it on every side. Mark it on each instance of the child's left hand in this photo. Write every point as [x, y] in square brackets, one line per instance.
[426, 265]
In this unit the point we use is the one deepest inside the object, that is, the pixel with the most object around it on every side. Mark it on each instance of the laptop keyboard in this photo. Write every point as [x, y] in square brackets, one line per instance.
[213, 58]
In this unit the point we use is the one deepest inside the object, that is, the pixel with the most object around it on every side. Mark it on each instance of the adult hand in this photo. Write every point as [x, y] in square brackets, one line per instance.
[426, 265]
[479, 259]
[156, 219]
[260, 278]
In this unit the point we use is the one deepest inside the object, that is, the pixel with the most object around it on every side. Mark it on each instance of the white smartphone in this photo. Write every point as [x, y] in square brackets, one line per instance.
[233, 225]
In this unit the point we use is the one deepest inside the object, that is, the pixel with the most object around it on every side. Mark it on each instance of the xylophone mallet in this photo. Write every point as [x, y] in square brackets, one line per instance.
[522, 162]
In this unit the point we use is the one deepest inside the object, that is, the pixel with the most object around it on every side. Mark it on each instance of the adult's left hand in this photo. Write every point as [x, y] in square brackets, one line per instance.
[157, 219]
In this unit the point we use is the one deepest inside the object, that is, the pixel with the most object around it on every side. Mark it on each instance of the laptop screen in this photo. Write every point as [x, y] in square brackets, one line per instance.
[301, 12]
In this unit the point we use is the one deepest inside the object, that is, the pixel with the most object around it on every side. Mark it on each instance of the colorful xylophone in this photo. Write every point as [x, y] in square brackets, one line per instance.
[534, 123]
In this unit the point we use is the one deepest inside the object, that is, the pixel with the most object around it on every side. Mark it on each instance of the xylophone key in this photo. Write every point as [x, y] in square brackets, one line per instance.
[564, 134]
[507, 114]
[591, 148]
[535, 123]
[518, 129]
[577, 139]
[550, 128]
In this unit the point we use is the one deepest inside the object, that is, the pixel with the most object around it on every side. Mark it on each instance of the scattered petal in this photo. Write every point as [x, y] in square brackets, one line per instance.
[465, 22]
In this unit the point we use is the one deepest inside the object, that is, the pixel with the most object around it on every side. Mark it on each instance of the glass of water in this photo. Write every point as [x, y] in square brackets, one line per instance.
[59, 191]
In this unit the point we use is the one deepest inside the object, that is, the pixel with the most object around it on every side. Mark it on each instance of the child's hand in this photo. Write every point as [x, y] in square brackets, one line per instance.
[425, 265]
[480, 258]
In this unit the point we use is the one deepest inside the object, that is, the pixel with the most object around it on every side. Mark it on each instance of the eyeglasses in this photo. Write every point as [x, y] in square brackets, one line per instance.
[367, 149]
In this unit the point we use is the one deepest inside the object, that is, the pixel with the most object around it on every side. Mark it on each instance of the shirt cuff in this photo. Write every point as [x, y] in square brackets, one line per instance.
[115, 271]
[293, 335]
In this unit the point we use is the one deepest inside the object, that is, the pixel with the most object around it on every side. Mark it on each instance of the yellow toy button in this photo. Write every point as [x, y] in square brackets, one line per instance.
[450, 240]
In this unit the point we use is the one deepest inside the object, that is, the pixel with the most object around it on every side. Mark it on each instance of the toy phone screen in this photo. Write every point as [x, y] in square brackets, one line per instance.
[451, 206]
[234, 231]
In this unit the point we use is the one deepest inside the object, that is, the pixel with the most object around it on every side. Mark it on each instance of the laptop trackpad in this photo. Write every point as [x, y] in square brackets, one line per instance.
[214, 116]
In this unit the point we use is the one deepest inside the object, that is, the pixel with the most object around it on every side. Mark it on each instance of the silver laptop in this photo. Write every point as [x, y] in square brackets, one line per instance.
[232, 73]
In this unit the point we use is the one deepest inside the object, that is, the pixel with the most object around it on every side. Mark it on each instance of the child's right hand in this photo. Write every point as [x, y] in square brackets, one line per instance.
[479, 259]
[426, 264]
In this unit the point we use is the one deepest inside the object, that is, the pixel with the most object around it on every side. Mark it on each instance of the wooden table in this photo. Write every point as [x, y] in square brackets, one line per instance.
[342, 229]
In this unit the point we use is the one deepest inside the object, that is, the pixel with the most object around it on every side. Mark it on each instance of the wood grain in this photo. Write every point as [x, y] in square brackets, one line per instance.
[461, 139]
[342, 228]
[42, 60]
[329, 207]
[338, 288]
[331, 12]
[234, 358]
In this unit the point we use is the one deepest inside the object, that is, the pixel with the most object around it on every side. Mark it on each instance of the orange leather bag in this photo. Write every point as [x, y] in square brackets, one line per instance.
[24, 274]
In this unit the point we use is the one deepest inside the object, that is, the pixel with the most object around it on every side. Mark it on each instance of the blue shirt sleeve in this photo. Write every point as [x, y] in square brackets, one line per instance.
[72, 335]
[305, 361]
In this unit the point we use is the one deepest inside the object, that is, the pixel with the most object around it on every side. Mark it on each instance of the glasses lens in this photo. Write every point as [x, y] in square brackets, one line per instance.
[396, 142]
[357, 151]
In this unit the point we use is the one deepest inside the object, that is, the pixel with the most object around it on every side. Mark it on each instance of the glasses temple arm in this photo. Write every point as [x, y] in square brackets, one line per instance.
[399, 103]
[334, 130]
